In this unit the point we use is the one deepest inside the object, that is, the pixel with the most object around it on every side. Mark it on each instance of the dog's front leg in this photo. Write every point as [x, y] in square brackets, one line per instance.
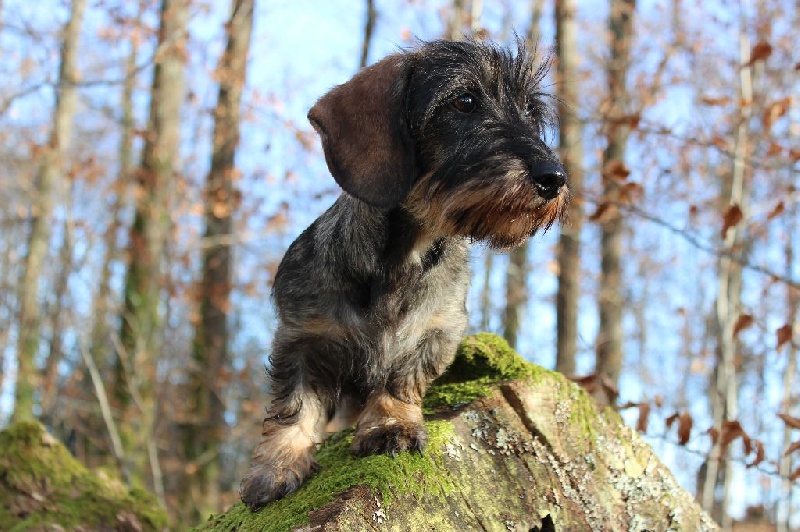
[285, 457]
[388, 425]
[294, 426]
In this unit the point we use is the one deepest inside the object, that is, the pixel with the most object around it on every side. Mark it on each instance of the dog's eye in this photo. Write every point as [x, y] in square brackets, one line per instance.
[465, 103]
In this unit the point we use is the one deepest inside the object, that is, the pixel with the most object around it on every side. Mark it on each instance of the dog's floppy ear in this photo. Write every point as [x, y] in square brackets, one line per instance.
[364, 135]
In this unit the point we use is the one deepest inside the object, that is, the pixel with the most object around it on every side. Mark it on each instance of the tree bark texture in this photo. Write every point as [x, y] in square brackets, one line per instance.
[100, 345]
[734, 193]
[571, 151]
[204, 430]
[532, 453]
[609, 336]
[517, 294]
[49, 183]
[141, 324]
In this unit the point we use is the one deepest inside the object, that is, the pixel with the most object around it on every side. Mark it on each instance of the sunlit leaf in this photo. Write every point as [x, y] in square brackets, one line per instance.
[792, 448]
[761, 50]
[791, 422]
[685, 423]
[644, 415]
[731, 218]
[743, 322]
[760, 454]
[783, 335]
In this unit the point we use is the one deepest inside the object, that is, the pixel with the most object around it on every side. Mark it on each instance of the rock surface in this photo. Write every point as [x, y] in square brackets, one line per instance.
[512, 447]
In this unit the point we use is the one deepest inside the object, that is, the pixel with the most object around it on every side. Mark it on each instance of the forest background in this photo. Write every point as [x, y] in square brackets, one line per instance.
[156, 163]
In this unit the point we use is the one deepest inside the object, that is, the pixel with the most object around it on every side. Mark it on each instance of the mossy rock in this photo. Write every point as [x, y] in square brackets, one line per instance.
[43, 487]
[482, 360]
[512, 447]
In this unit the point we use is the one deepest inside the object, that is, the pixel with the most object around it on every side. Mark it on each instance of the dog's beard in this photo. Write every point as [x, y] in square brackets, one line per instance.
[500, 208]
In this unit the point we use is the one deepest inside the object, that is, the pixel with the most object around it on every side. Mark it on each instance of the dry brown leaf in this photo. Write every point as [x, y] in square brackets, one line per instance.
[775, 110]
[791, 422]
[644, 415]
[671, 419]
[730, 431]
[742, 322]
[685, 423]
[605, 212]
[792, 448]
[784, 335]
[731, 217]
[659, 400]
[720, 142]
[777, 210]
[718, 100]
[616, 169]
[760, 455]
[774, 150]
[599, 386]
[630, 192]
[761, 51]
[795, 474]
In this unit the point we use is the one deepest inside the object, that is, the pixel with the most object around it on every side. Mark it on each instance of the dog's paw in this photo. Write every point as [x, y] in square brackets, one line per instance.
[265, 483]
[389, 439]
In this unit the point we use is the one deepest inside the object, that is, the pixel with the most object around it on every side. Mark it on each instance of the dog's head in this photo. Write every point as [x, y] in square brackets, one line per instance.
[453, 131]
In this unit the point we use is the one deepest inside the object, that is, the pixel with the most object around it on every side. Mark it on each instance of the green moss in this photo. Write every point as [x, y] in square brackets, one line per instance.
[42, 485]
[408, 473]
[482, 360]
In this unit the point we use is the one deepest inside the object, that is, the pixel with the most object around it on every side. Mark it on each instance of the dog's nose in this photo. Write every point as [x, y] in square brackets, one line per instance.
[549, 177]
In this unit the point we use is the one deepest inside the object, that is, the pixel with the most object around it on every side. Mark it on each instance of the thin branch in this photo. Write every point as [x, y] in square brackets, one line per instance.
[105, 409]
[48, 83]
[710, 249]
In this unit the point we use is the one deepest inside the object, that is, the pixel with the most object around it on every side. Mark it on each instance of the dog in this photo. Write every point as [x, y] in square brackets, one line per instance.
[435, 148]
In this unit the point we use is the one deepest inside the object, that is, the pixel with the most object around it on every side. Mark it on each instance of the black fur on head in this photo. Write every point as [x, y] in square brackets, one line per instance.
[478, 120]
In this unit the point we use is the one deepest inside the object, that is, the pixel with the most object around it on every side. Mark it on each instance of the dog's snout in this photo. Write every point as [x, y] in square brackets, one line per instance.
[549, 178]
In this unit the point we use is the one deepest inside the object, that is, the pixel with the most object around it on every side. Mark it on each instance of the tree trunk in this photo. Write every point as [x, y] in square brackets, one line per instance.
[571, 150]
[55, 353]
[100, 346]
[733, 195]
[457, 22]
[516, 293]
[788, 400]
[205, 428]
[517, 274]
[609, 336]
[49, 183]
[527, 453]
[141, 324]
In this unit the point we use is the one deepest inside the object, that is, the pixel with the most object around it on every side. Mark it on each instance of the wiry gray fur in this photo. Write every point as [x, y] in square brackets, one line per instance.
[435, 148]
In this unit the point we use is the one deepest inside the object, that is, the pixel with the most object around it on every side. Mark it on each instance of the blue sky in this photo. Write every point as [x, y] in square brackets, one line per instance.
[302, 48]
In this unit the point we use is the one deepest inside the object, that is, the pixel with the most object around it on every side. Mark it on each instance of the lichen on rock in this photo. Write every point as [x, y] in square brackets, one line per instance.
[512, 447]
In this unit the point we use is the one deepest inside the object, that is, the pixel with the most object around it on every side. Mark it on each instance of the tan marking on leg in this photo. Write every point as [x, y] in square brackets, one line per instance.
[384, 409]
[389, 425]
[347, 412]
[285, 457]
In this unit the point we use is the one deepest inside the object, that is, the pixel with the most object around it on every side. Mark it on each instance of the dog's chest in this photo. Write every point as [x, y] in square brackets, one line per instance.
[425, 297]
